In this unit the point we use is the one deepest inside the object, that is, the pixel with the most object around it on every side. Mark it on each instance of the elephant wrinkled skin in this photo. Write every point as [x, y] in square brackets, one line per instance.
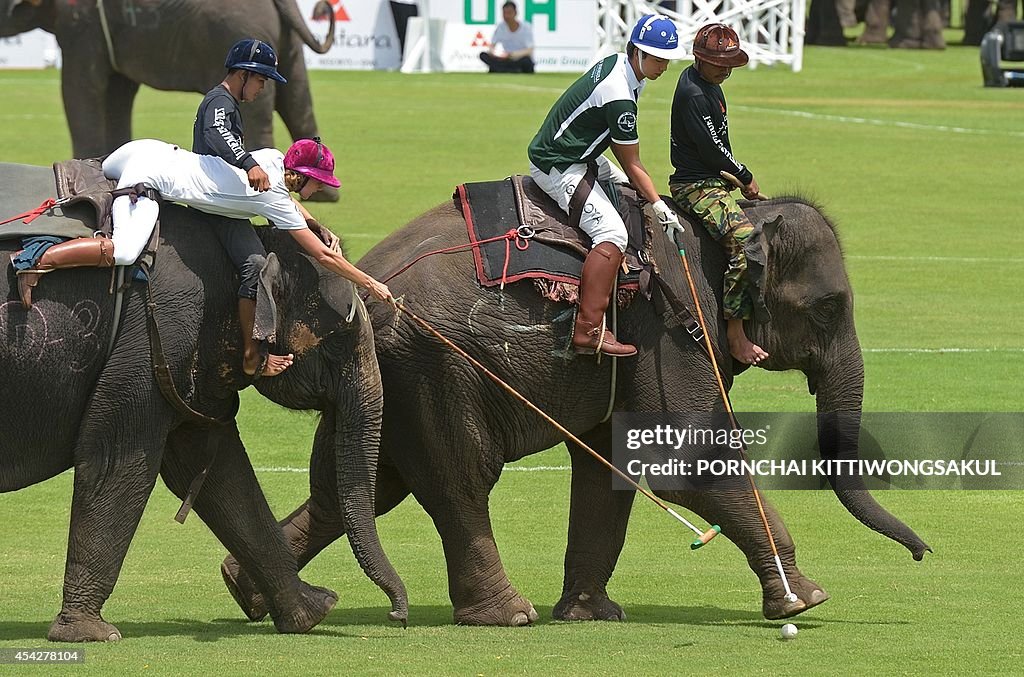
[451, 462]
[67, 403]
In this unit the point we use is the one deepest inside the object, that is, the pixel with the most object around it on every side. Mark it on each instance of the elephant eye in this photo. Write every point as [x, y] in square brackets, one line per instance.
[826, 308]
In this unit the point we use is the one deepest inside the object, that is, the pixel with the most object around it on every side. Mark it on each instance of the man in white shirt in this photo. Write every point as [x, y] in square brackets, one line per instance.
[208, 183]
[515, 39]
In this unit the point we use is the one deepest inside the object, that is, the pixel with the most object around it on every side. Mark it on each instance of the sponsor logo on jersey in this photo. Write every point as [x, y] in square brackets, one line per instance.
[627, 121]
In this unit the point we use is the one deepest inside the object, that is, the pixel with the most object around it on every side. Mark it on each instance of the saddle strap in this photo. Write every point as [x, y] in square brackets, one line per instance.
[166, 383]
[197, 482]
[579, 196]
[160, 369]
[683, 313]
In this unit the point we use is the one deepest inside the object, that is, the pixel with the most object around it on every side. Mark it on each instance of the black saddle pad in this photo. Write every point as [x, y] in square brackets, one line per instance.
[25, 187]
[541, 248]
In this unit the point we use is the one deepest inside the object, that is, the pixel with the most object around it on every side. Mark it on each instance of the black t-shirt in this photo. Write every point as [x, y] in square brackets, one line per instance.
[218, 129]
[700, 132]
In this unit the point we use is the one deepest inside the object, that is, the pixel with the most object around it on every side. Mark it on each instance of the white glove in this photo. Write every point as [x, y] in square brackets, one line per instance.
[667, 218]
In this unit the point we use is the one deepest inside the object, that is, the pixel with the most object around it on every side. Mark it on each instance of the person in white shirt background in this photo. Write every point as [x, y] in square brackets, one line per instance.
[515, 39]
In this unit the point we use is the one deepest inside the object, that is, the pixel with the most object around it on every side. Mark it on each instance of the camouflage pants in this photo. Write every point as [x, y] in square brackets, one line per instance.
[711, 203]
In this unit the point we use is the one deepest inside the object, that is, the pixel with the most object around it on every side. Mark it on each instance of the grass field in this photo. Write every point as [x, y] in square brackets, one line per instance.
[906, 151]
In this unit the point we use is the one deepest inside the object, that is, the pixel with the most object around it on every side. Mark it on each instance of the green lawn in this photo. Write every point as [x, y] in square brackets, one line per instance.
[910, 156]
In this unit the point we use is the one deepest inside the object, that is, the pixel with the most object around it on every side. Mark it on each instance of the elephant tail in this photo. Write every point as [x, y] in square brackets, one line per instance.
[291, 15]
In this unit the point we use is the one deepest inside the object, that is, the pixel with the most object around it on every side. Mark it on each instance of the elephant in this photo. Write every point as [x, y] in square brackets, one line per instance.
[106, 417]
[176, 45]
[448, 431]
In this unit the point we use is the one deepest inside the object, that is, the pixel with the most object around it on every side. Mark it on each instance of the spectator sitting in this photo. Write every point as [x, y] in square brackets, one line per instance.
[516, 40]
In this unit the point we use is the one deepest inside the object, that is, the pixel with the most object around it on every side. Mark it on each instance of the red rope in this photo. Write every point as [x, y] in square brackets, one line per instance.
[510, 235]
[33, 214]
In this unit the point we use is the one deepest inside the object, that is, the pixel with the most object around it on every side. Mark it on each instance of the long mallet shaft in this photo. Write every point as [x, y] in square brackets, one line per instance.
[790, 596]
[703, 536]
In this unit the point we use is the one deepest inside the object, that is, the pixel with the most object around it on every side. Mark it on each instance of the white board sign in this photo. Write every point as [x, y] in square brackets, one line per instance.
[36, 49]
[365, 37]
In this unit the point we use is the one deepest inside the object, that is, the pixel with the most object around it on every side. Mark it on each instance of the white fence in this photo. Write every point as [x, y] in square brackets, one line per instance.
[771, 31]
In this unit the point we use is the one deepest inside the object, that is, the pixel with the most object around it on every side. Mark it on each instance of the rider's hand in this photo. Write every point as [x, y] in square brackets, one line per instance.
[667, 218]
[258, 179]
[751, 190]
[380, 290]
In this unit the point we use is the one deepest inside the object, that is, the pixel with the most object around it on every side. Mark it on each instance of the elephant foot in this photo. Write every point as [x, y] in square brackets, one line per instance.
[511, 611]
[243, 590]
[302, 615]
[73, 626]
[904, 43]
[872, 38]
[587, 607]
[809, 595]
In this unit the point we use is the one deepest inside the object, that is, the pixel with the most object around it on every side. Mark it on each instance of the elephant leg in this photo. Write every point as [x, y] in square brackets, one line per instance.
[598, 517]
[120, 100]
[85, 106]
[232, 504]
[116, 462]
[294, 102]
[480, 591]
[737, 513]
[453, 485]
[309, 529]
[259, 119]
[907, 34]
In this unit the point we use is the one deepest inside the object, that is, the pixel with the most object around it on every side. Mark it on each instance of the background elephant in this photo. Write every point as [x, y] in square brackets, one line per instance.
[67, 403]
[448, 431]
[176, 45]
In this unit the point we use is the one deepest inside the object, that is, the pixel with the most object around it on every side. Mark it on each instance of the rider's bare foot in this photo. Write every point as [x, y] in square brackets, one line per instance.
[742, 348]
[266, 365]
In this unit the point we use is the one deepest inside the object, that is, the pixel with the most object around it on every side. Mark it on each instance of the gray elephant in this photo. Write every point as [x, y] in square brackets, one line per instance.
[69, 402]
[448, 430]
[174, 45]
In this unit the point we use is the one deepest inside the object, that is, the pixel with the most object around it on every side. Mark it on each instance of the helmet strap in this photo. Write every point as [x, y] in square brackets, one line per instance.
[245, 81]
[640, 62]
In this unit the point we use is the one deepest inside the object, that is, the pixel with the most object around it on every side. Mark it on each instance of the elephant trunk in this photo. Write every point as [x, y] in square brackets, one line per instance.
[292, 17]
[840, 396]
[359, 412]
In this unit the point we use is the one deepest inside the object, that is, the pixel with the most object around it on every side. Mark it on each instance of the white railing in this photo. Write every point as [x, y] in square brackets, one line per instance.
[771, 31]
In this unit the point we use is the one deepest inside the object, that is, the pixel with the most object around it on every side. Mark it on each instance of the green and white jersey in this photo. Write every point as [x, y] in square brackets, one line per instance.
[597, 109]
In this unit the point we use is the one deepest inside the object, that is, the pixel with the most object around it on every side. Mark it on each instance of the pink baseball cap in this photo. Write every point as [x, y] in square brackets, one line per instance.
[310, 157]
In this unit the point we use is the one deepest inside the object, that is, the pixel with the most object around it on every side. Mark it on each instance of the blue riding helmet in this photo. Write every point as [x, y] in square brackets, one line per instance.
[657, 35]
[256, 56]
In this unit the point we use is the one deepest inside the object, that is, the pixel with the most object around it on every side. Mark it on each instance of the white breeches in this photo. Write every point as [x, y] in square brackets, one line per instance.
[133, 223]
[133, 226]
[600, 219]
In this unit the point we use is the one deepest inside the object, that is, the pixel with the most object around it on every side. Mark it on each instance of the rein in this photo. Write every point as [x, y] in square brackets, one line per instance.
[703, 536]
[31, 215]
[521, 235]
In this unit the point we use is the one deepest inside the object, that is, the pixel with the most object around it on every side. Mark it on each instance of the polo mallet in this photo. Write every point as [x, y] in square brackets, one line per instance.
[790, 596]
[736, 182]
[703, 536]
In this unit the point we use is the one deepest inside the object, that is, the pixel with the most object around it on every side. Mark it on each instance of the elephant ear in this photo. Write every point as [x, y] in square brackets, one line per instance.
[265, 327]
[756, 250]
[771, 229]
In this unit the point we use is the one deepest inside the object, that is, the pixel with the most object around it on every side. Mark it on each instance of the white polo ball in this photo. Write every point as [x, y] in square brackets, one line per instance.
[789, 631]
